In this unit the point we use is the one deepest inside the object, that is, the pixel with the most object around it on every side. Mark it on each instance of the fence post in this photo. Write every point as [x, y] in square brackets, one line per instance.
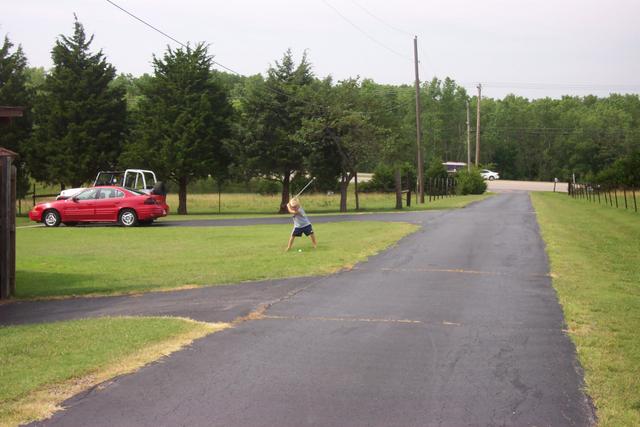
[610, 199]
[624, 190]
[615, 193]
[635, 204]
[598, 191]
[34, 194]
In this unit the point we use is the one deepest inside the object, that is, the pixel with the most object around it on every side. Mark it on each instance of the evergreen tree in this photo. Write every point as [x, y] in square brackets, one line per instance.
[14, 92]
[80, 117]
[271, 112]
[182, 120]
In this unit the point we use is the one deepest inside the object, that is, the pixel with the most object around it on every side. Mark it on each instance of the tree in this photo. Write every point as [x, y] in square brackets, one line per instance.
[182, 120]
[271, 112]
[15, 92]
[80, 118]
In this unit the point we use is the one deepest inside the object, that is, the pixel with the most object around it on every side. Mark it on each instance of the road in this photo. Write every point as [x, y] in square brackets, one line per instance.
[457, 325]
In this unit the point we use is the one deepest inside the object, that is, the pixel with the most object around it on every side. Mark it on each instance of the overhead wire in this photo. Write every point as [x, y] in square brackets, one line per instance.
[369, 36]
[274, 90]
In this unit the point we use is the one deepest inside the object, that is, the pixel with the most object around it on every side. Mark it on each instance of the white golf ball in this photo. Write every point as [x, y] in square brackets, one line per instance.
[299, 250]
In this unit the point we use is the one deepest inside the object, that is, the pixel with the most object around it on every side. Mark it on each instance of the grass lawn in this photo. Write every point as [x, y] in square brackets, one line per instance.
[595, 257]
[106, 260]
[205, 206]
[40, 368]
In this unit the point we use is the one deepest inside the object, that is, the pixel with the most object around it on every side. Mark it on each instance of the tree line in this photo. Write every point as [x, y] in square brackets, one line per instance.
[187, 121]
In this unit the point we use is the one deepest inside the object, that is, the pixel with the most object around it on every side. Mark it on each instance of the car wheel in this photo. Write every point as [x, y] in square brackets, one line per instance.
[70, 224]
[128, 218]
[491, 178]
[51, 218]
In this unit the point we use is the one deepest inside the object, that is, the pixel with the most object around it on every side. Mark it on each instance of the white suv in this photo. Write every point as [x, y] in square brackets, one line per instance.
[490, 175]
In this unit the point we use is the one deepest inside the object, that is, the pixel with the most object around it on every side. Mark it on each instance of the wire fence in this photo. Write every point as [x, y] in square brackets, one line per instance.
[621, 198]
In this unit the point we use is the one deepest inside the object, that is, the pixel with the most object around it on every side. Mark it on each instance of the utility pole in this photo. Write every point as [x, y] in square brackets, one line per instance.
[418, 130]
[478, 124]
[468, 139]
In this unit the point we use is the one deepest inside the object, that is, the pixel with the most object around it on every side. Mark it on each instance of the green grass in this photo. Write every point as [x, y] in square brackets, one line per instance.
[105, 260]
[249, 205]
[595, 258]
[39, 359]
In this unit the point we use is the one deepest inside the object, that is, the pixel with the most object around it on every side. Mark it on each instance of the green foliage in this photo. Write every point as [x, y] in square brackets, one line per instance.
[270, 113]
[268, 187]
[383, 179]
[80, 118]
[182, 121]
[470, 182]
[436, 170]
[15, 91]
[624, 171]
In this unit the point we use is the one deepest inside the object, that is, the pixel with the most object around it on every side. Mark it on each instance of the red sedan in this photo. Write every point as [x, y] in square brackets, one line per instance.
[102, 204]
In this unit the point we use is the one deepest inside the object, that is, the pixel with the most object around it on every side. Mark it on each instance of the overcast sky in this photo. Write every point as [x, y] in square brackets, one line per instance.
[533, 48]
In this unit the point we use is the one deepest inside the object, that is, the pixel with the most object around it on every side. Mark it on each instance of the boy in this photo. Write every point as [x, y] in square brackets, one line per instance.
[301, 223]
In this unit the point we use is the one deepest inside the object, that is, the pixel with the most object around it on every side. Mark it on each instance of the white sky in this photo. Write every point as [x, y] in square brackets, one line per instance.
[533, 48]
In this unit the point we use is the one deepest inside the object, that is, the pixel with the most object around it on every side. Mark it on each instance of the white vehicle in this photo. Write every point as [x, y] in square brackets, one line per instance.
[490, 175]
[135, 179]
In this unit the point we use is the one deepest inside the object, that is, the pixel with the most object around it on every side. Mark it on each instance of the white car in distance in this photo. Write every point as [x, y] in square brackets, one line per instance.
[490, 175]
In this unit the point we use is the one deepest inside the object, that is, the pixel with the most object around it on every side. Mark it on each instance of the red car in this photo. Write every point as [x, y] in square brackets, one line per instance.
[102, 204]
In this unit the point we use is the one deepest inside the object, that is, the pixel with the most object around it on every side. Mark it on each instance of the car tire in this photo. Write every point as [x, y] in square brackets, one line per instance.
[128, 218]
[491, 178]
[51, 218]
[70, 224]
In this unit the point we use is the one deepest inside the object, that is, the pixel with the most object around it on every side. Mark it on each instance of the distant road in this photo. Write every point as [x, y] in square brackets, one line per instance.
[502, 185]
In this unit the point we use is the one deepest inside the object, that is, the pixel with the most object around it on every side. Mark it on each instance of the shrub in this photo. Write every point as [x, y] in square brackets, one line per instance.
[265, 186]
[470, 182]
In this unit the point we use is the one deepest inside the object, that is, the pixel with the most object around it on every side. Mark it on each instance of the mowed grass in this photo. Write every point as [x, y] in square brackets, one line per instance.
[595, 258]
[107, 260]
[238, 205]
[44, 364]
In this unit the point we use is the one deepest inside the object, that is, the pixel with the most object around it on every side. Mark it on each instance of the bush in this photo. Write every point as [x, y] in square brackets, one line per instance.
[470, 182]
[383, 179]
[436, 170]
[265, 186]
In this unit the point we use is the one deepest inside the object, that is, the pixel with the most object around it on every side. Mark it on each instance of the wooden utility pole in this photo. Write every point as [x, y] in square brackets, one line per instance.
[418, 130]
[478, 124]
[468, 139]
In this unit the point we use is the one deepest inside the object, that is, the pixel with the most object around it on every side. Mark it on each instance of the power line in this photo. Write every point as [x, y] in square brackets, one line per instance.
[369, 36]
[368, 12]
[274, 90]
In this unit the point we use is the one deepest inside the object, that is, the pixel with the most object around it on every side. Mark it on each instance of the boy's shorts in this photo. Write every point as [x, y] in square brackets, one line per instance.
[307, 229]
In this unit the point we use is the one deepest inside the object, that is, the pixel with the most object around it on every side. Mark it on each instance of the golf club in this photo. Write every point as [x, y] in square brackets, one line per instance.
[305, 187]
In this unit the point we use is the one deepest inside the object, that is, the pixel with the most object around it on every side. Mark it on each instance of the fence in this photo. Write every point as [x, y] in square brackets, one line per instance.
[439, 188]
[624, 197]
[7, 225]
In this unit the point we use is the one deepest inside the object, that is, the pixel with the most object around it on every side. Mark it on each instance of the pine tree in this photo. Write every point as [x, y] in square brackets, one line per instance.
[272, 111]
[14, 92]
[80, 116]
[182, 120]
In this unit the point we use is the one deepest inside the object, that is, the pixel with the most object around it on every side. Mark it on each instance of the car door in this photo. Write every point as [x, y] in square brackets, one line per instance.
[81, 207]
[107, 204]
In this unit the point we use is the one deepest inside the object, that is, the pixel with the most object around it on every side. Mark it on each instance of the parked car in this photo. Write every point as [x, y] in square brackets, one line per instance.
[490, 175]
[125, 206]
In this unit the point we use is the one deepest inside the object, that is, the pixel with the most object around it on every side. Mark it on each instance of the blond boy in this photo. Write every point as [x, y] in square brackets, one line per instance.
[301, 223]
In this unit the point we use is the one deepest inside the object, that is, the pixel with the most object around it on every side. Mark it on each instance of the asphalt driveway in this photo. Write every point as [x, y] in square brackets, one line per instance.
[457, 325]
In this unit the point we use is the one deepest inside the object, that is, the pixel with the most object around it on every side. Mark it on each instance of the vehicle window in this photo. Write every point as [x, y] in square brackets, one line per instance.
[130, 180]
[89, 194]
[118, 194]
[150, 180]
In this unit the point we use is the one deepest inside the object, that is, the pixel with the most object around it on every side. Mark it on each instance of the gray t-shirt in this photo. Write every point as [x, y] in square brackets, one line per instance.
[300, 219]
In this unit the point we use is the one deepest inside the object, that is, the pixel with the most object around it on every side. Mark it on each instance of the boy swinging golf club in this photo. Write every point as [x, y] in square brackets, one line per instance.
[301, 223]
